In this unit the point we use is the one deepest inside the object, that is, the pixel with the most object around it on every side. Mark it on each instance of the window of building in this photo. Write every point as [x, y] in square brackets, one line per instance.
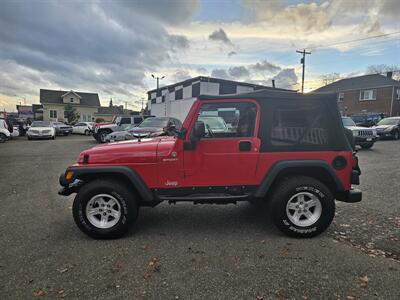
[398, 93]
[196, 90]
[65, 114]
[340, 97]
[53, 114]
[227, 88]
[226, 120]
[179, 94]
[366, 95]
[71, 99]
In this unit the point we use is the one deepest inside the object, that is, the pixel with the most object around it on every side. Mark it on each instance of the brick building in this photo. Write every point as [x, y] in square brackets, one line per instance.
[368, 93]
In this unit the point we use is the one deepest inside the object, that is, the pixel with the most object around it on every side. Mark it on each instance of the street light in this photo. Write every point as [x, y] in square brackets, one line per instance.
[158, 79]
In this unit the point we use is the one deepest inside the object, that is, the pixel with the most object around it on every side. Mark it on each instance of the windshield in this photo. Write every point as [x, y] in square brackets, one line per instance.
[213, 122]
[389, 122]
[359, 118]
[348, 122]
[154, 122]
[41, 124]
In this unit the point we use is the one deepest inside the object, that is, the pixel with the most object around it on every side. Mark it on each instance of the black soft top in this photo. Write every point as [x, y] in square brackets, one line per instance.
[279, 108]
[271, 95]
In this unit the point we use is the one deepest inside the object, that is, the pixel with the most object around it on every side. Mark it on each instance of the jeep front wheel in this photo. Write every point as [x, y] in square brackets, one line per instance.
[302, 207]
[104, 209]
[102, 136]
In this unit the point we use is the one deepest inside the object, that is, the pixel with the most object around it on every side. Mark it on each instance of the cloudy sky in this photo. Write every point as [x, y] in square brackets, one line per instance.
[113, 47]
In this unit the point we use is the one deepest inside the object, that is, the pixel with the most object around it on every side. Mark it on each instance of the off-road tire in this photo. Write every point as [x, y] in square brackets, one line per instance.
[102, 136]
[285, 190]
[3, 138]
[126, 199]
[367, 145]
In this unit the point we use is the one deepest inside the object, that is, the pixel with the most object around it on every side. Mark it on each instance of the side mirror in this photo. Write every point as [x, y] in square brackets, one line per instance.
[199, 130]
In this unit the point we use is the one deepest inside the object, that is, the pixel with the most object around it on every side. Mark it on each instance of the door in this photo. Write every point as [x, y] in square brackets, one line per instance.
[228, 153]
[78, 128]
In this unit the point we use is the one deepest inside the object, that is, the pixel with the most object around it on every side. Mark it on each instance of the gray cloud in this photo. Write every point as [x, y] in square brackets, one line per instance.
[99, 46]
[284, 78]
[220, 36]
[264, 66]
[232, 53]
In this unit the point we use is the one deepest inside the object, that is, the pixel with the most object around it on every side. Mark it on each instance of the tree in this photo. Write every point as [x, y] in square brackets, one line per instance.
[70, 113]
[383, 69]
[111, 104]
[330, 78]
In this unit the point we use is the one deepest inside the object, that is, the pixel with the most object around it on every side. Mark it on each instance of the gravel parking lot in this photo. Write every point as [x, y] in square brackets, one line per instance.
[188, 251]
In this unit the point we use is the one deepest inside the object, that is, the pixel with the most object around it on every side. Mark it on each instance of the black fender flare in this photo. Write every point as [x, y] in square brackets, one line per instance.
[278, 167]
[144, 192]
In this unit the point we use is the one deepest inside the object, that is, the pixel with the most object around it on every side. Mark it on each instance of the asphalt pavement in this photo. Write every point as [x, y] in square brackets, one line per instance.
[187, 251]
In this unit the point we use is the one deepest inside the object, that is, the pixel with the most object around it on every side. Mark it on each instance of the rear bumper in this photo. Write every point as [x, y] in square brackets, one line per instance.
[352, 196]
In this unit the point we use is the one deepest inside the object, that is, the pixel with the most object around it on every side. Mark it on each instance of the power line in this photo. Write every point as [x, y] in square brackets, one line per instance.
[351, 41]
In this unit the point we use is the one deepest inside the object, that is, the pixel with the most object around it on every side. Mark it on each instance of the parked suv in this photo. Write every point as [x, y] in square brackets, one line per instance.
[283, 149]
[119, 123]
[62, 128]
[364, 137]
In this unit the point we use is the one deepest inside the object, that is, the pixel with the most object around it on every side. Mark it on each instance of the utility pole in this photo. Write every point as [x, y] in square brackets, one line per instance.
[303, 62]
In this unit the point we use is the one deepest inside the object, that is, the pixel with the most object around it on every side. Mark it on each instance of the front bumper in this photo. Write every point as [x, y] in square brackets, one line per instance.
[365, 140]
[38, 136]
[351, 196]
[69, 188]
[385, 134]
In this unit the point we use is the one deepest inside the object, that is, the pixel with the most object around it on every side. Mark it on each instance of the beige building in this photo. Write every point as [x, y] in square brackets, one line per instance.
[54, 102]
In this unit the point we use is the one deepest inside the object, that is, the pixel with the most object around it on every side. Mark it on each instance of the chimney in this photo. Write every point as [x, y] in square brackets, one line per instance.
[273, 83]
[389, 74]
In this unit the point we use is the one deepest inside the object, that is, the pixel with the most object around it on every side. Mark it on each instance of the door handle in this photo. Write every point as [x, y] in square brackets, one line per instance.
[244, 146]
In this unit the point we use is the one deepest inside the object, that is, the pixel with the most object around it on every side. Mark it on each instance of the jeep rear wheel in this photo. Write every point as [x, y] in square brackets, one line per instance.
[104, 209]
[302, 207]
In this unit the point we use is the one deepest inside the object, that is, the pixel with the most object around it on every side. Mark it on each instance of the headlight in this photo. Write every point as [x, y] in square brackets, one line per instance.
[355, 132]
[388, 128]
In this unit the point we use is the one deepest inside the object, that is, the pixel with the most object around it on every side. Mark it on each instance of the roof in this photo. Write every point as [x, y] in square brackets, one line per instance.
[360, 82]
[55, 97]
[273, 94]
[187, 82]
[107, 110]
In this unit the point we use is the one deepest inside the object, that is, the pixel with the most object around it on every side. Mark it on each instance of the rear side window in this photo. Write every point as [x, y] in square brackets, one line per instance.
[299, 127]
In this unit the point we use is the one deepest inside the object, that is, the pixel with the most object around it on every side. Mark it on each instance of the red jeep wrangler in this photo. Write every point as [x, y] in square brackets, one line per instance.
[284, 149]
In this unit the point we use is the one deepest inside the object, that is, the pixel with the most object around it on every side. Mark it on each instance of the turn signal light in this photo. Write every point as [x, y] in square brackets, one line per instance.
[69, 175]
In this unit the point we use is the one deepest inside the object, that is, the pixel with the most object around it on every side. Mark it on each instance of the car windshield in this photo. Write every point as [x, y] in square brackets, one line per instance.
[214, 122]
[154, 122]
[41, 124]
[348, 122]
[359, 118]
[389, 121]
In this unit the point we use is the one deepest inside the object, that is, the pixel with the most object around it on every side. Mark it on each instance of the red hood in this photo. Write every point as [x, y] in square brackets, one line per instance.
[127, 152]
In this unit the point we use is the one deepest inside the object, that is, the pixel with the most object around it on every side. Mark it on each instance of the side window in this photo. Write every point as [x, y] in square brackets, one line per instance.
[292, 126]
[138, 120]
[228, 120]
[125, 121]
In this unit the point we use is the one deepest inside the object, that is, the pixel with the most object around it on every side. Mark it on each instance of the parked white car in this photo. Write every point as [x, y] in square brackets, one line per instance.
[41, 130]
[83, 128]
[15, 132]
[4, 133]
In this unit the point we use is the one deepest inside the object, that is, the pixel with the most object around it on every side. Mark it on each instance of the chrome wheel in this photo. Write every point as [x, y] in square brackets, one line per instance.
[103, 211]
[304, 209]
